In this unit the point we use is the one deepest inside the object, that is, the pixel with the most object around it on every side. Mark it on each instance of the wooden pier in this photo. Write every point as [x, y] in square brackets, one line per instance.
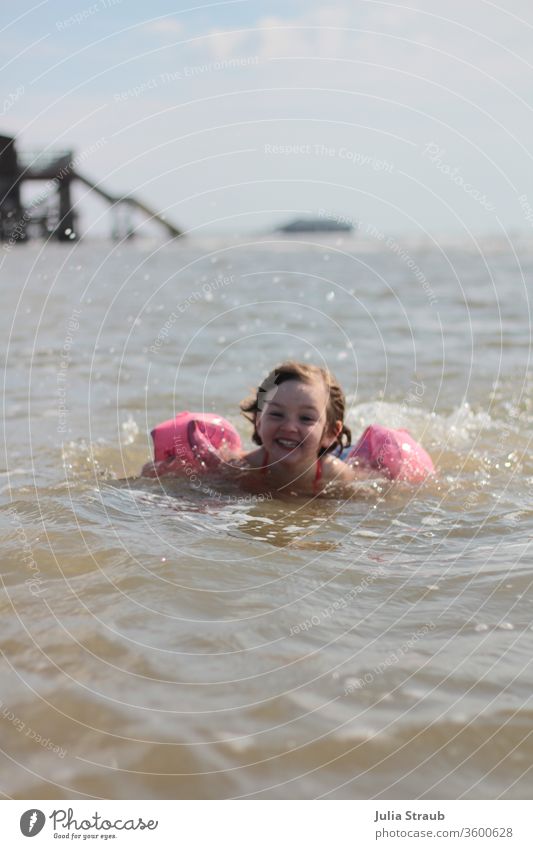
[51, 214]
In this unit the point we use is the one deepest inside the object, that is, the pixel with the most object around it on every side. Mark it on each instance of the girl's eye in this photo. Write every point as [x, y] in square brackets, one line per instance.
[275, 415]
[308, 419]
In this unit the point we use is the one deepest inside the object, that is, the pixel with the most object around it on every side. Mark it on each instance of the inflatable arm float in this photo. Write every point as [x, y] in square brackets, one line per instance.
[393, 453]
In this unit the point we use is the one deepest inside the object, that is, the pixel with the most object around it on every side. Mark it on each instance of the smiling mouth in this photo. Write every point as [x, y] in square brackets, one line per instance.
[287, 443]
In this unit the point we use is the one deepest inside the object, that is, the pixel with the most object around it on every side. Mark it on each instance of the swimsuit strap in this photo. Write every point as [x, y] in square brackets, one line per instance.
[318, 475]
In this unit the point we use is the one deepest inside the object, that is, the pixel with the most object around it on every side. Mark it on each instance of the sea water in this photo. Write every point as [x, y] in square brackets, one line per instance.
[161, 640]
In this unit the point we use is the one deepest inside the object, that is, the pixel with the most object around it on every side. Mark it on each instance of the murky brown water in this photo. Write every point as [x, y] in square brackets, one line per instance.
[165, 643]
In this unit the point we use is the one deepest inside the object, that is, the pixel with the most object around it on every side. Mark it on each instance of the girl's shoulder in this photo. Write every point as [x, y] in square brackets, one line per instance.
[334, 469]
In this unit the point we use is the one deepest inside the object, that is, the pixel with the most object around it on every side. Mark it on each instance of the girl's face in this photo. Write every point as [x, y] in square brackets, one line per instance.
[292, 423]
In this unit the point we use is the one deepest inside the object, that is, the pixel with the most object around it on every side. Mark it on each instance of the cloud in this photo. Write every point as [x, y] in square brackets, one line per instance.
[451, 46]
[224, 44]
[164, 26]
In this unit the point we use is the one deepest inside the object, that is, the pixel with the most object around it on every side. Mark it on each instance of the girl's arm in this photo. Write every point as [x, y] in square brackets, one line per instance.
[161, 468]
[336, 471]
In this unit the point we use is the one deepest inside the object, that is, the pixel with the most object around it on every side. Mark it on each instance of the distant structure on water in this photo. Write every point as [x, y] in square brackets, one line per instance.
[324, 223]
[51, 213]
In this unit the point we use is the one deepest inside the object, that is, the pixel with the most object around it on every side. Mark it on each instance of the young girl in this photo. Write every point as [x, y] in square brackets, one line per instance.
[298, 417]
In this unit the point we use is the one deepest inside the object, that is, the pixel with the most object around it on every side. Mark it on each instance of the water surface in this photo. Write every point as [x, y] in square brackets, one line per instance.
[162, 642]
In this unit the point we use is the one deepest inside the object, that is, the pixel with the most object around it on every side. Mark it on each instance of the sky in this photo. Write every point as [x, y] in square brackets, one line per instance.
[405, 117]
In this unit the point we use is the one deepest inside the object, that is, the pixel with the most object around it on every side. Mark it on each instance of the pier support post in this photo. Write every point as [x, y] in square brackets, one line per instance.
[66, 228]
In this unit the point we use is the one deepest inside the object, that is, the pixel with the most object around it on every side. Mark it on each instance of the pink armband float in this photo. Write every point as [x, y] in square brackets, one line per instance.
[192, 437]
[394, 453]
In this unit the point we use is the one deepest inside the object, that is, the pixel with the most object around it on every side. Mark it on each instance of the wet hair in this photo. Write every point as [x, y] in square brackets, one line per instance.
[291, 370]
